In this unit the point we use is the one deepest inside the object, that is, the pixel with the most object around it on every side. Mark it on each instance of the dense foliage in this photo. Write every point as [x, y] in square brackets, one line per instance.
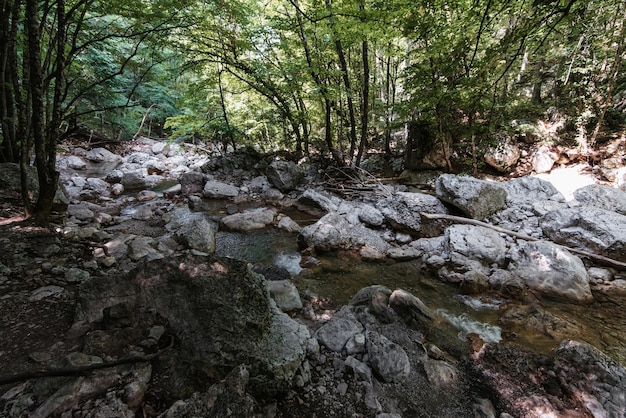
[338, 77]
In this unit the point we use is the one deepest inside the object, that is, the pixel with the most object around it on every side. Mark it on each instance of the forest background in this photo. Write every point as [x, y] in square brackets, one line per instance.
[332, 79]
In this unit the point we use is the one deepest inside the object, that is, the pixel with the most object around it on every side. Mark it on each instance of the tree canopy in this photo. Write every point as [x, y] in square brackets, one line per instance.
[334, 78]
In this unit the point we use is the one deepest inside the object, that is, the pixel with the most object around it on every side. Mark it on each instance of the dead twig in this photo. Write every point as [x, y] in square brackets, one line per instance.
[79, 370]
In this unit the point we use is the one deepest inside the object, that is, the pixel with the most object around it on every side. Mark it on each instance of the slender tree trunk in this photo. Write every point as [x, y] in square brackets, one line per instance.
[327, 102]
[387, 101]
[229, 132]
[346, 82]
[365, 104]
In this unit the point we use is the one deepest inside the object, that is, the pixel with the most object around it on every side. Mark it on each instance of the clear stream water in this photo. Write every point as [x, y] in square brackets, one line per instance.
[338, 277]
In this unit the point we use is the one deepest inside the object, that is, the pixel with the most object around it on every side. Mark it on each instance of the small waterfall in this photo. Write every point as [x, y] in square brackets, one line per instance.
[480, 304]
[466, 325]
[290, 262]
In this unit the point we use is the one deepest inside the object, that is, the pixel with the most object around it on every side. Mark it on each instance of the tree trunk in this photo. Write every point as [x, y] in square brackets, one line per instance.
[346, 82]
[366, 95]
[328, 134]
[45, 157]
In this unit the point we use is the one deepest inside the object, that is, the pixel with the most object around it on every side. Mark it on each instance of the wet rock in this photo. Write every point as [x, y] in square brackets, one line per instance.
[402, 210]
[284, 175]
[478, 199]
[218, 190]
[335, 231]
[249, 220]
[594, 230]
[410, 307]
[551, 270]
[287, 224]
[318, 201]
[509, 284]
[534, 318]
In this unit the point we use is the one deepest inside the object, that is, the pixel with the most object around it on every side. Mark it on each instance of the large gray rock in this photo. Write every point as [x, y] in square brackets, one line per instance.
[284, 175]
[336, 231]
[472, 247]
[102, 155]
[335, 333]
[476, 198]
[603, 197]
[595, 230]
[388, 359]
[227, 318]
[140, 179]
[218, 190]
[318, 201]
[198, 233]
[285, 294]
[249, 220]
[527, 190]
[402, 210]
[551, 270]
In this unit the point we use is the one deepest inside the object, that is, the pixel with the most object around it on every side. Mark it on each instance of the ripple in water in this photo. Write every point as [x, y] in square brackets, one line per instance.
[487, 332]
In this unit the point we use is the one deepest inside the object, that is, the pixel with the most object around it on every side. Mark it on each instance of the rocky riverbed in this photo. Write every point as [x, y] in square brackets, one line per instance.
[141, 301]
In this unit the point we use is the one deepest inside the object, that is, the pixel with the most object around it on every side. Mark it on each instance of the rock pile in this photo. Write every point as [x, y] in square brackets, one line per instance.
[156, 308]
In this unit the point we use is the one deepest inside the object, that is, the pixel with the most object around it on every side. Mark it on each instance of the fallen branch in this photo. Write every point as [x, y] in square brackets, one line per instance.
[78, 370]
[599, 258]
